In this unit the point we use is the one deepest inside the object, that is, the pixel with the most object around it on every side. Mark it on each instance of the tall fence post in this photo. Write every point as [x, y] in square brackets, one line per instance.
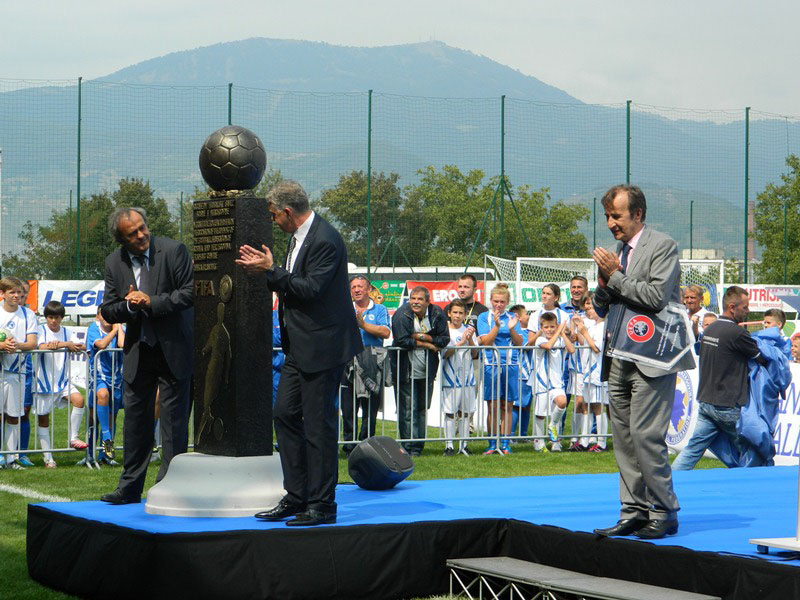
[503, 176]
[691, 229]
[746, 183]
[628, 142]
[785, 247]
[180, 222]
[78, 186]
[69, 244]
[369, 181]
[594, 222]
[230, 104]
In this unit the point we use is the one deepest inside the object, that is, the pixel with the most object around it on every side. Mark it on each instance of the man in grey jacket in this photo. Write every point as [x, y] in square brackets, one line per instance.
[641, 272]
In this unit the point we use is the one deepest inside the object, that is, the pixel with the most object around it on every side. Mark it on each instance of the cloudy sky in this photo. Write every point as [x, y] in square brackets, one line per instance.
[717, 54]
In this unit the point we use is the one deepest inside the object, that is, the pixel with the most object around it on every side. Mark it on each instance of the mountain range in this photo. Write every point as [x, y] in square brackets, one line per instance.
[431, 104]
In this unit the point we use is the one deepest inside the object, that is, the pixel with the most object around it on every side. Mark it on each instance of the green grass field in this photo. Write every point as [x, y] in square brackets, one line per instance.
[79, 483]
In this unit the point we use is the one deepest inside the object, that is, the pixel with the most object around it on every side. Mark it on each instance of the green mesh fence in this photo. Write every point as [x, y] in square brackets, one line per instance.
[38, 140]
[691, 165]
[776, 223]
[439, 155]
[575, 151]
[434, 196]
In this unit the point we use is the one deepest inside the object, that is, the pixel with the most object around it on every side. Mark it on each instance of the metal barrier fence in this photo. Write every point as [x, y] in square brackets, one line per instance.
[460, 417]
[34, 393]
[408, 404]
[381, 165]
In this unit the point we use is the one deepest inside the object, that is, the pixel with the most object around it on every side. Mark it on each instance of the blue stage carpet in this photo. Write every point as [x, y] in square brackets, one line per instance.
[721, 509]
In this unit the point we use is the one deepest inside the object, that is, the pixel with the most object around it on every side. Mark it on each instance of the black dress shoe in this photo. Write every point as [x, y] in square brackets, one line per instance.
[623, 527]
[657, 529]
[118, 497]
[284, 509]
[312, 517]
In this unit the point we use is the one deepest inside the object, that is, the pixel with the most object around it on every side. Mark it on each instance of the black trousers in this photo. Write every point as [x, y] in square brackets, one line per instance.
[413, 401]
[306, 426]
[139, 403]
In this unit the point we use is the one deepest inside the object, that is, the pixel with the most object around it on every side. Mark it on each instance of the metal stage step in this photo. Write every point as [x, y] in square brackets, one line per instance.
[503, 577]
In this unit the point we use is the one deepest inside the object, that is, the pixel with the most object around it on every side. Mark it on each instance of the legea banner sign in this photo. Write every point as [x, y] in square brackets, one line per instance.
[78, 297]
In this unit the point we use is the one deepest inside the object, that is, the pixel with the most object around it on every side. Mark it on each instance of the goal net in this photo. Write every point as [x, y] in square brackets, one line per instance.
[529, 274]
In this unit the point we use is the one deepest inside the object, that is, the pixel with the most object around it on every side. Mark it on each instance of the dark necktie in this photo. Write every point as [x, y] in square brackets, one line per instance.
[147, 333]
[292, 244]
[623, 259]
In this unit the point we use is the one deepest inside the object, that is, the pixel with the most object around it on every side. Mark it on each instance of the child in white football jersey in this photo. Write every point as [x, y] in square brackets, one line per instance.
[19, 332]
[591, 332]
[53, 387]
[547, 379]
[550, 296]
[577, 363]
[459, 397]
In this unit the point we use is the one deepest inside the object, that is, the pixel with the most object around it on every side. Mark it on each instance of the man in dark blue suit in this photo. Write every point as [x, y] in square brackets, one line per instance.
[150, 287]
[320, 335]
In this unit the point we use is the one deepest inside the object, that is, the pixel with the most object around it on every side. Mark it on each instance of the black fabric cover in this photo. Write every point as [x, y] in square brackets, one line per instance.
[97, 560]
[379, 463]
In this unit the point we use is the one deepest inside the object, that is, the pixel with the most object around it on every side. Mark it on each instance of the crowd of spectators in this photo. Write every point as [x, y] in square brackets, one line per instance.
[527, 367]
[521, 364]
[516, 362]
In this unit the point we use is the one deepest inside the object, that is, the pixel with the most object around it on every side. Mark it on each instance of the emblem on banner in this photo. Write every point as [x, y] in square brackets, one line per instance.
[641, 328]
[683, 408]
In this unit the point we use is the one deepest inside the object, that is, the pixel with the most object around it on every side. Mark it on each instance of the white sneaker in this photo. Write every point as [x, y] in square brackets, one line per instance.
[15, 466]
[555, 447]
[50, 464]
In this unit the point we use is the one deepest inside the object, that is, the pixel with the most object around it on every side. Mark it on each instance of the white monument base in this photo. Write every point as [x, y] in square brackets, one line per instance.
[764, 544]
[204, 485]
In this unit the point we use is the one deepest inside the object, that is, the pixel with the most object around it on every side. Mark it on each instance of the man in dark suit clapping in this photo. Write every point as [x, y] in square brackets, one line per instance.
[320, 335]
[149, 285]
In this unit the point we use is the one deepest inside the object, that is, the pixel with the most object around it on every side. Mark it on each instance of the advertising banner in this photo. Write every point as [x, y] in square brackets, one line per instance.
[787, 433]
[442, 292]
[78, 297]
[388, 292]
[764, 297]
[530, 293]
[683, 419]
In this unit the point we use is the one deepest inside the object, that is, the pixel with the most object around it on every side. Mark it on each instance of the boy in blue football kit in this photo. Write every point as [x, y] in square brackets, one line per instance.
[105, 370]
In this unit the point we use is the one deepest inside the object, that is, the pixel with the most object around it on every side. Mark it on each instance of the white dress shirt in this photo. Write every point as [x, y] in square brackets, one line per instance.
[300, 237]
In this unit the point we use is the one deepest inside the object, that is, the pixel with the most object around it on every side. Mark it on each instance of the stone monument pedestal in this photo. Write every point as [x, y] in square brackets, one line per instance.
[232, 472]
[204, 485]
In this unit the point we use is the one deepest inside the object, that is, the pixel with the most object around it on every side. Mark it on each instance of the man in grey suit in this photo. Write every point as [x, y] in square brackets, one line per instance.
[641, 272]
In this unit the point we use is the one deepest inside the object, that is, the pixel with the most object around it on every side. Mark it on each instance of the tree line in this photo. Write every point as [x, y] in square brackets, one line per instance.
[442, 219]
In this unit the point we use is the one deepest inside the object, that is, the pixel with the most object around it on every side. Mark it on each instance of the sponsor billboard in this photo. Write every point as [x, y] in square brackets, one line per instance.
[78, 297]
[442, 292]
